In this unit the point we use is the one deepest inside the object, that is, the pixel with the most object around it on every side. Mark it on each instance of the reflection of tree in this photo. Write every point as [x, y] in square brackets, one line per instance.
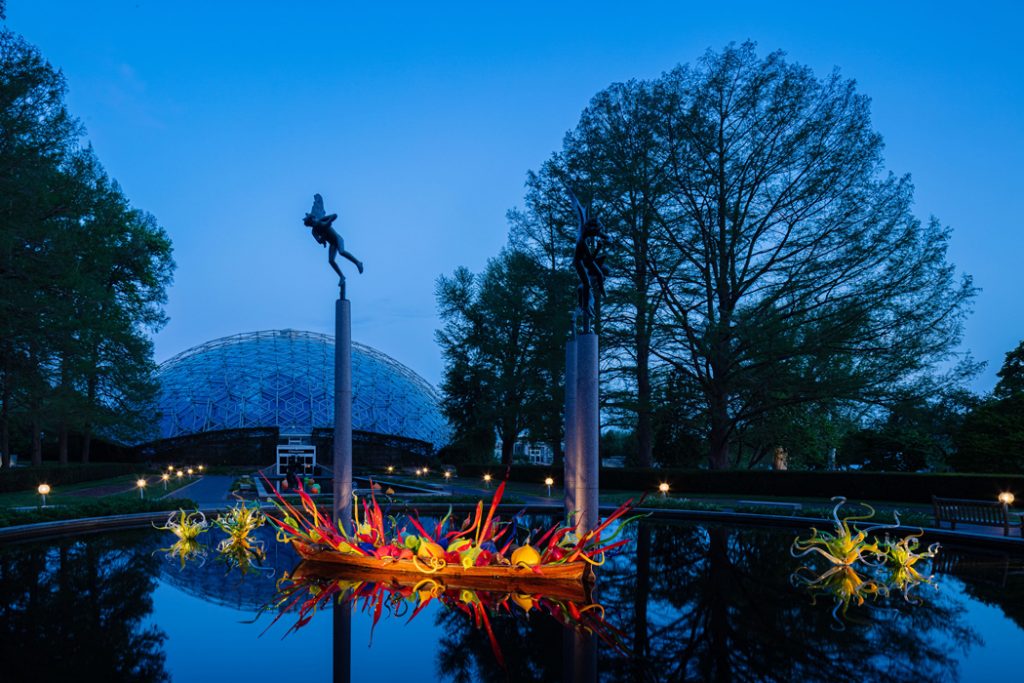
[721, 608]
[75, 610]
[531, 646]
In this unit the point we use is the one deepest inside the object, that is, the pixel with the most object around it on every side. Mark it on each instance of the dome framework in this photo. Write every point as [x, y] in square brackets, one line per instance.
[283, 379]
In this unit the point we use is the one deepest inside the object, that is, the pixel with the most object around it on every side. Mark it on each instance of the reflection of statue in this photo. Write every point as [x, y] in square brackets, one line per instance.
[325, 234]
[588, 260]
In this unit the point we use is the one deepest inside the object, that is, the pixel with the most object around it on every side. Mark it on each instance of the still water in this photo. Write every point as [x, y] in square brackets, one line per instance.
[686, 602]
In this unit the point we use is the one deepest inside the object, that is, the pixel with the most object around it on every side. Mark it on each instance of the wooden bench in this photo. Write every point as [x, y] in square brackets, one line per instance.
[978, 512]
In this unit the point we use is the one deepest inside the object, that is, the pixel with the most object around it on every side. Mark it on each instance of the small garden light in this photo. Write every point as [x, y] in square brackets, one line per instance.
[663, 487]
[418, 471]
[201, 468]
[487, 480]
[447, 475]
[549, 482]
[426, 470]
[190, 472]
[165, 476]
[180, 474]
[391, 469]
[43, 490]
[141, 483]
[1006, 498]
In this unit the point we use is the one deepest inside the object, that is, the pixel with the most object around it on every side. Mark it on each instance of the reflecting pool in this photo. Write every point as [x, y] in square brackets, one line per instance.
[687, 602]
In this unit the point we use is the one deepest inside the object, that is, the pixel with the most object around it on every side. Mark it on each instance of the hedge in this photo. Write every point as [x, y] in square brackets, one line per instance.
[28, 478]
[889, 486]
[101, 507]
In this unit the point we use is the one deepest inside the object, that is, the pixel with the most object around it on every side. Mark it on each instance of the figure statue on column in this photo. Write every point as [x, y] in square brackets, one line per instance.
[588, 260]
[319, 221]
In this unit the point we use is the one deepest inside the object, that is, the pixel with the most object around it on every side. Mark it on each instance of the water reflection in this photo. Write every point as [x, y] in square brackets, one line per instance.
[77, 609]
[691, 603]
[472, 612]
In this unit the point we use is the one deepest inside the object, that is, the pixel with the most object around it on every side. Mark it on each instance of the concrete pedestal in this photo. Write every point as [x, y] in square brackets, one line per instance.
[343, 414]
[571, 457]
[582, 428]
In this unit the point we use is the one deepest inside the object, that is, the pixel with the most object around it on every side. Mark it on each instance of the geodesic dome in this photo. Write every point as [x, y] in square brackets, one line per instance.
[284, 379]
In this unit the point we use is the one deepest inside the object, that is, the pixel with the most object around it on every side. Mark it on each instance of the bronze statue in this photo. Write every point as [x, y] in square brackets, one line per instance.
[324, 233]
[589, 262]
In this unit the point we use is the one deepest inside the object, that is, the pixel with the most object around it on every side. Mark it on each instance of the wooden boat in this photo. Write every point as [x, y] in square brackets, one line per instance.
[555, 589]
[497, 576]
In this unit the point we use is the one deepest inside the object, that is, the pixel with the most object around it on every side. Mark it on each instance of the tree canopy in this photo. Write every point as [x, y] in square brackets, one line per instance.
[83, 274]
[763, 261]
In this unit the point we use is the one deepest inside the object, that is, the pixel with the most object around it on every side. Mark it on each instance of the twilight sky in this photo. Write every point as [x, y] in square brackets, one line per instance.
[418, 122]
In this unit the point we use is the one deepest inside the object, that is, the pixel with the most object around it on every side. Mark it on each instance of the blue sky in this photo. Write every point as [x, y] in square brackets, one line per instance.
[418, 123]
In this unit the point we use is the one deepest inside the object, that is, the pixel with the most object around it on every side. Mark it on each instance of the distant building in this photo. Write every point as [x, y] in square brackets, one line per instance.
[528, 453]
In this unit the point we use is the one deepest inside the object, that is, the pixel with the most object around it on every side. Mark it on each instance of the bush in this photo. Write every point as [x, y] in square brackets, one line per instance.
[28, 478]
[891, 486]
[102, 507]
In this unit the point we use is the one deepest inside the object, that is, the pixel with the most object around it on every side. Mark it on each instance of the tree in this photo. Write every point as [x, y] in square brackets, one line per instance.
[1011, 375]
[992, 436]
[796, 272]
[490, 343]
[614, 161]
[83, 275]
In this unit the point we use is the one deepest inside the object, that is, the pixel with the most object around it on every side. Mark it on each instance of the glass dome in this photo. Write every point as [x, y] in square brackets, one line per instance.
[284, 379]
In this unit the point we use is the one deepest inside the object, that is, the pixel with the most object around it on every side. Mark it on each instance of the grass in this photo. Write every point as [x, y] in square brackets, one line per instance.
[65, 495]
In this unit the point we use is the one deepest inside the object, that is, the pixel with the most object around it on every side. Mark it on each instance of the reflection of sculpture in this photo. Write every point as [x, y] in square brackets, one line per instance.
[324, 233]
[588, 260]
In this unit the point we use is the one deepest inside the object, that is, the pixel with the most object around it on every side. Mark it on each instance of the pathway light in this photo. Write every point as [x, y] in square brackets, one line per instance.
[487, 480]
[1006, 498]
[663, 488]
[43, 490]
[549, 482]
[165, 476]
[141, 483]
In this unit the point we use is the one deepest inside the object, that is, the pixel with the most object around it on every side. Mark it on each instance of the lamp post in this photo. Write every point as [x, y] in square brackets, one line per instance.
[1006, 498]
[141, 483]
[448, 480]
[43, 490]
[201, 468]
[663, 488]
[190, 470]
[391, 469]
[165, 476]
[549, 482]
[487, 480]
[180, 474]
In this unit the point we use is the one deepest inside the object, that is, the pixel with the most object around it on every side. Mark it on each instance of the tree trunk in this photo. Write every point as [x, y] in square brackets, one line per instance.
[719, 437]
[643, 399]
[507, 449]
[37, 444]
[5, 424]
[87, 429]
[62, 439]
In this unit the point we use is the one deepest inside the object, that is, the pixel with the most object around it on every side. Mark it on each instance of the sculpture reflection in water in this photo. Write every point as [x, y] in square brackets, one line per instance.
[476, 603]
[863, 567]
[716, 603]
[239, 550]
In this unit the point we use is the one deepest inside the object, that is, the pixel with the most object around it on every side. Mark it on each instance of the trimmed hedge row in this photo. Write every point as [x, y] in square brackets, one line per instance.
[101, 507]
[28, 478]
[894, 486]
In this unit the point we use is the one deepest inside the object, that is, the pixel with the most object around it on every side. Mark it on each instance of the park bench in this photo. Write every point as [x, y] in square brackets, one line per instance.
[977, 512]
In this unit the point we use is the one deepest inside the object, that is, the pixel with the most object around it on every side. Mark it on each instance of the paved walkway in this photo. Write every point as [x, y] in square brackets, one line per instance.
[208, 490]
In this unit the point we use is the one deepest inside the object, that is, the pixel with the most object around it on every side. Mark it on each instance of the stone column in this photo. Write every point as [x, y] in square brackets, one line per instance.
[587, 431]
[343, 414]
[571, 457]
